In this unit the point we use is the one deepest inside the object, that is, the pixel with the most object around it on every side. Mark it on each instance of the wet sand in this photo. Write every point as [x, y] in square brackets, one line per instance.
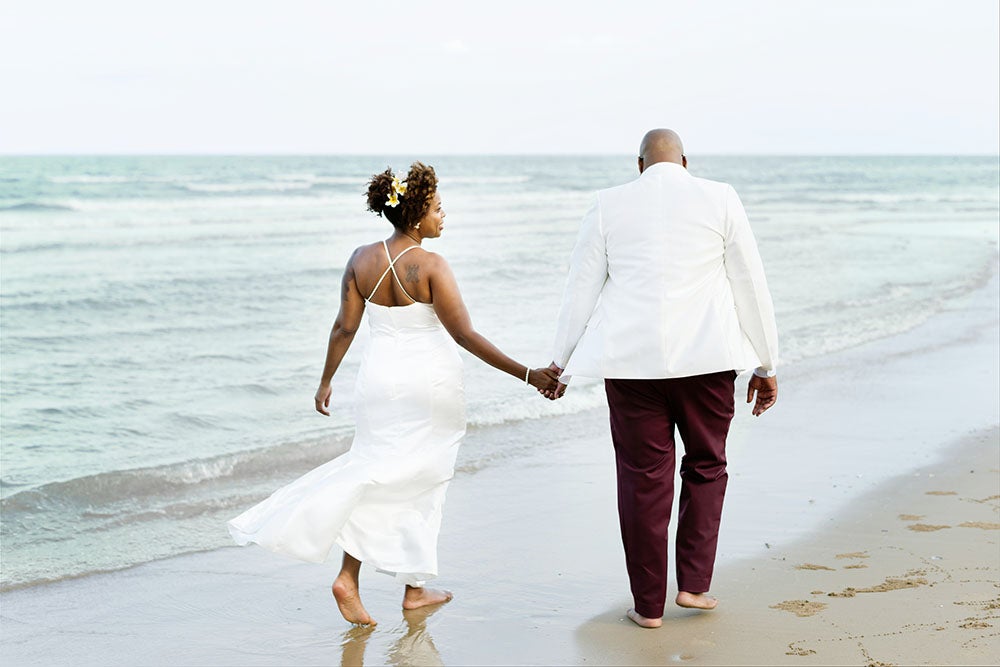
[882, 594]
[865, 590]
[824, 556]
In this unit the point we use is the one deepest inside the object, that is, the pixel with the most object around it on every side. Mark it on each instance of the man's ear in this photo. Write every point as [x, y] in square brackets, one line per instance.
[684, 161]
[641, 167]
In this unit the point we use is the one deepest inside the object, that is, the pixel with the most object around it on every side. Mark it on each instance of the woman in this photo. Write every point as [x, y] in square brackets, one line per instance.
[381, 501]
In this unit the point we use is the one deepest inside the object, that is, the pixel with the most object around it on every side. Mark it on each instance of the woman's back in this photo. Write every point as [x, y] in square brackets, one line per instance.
[393, 274]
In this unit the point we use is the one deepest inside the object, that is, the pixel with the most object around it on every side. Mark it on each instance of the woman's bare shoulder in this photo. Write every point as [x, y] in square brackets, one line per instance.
[432, 260]
[363, 252]
[369, 248]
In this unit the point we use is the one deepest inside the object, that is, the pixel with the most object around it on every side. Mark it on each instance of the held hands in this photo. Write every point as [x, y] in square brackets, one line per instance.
[545, 380]
[558, 389]
[767, 393]
[322, 399]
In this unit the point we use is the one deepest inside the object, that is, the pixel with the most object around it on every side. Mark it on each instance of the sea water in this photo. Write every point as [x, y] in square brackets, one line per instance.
[163, 320]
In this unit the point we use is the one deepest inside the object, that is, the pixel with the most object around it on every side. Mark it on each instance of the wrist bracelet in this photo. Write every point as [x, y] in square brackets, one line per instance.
[527, 370]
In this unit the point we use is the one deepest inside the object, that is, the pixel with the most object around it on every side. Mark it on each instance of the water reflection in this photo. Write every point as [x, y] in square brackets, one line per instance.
[416, 647]
[353, 646]
[413, 644]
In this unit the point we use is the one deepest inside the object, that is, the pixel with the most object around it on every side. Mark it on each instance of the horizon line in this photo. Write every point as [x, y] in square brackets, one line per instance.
[486, 154]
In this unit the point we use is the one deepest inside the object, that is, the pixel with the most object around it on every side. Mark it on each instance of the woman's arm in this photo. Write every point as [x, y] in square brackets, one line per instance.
[352, 307]
[454, 316]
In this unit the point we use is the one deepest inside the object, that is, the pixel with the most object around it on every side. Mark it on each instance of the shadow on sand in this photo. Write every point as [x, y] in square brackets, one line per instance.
[610, 638]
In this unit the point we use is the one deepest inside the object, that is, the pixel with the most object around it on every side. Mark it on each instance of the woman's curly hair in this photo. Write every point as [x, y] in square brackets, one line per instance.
[421, 184]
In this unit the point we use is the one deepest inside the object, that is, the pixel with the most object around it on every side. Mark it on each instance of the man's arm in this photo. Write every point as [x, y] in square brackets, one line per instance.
[754, 308]
[745, 271]
[588, 271]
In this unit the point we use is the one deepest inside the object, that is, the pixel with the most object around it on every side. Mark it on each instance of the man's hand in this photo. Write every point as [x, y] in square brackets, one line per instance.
[545, 380]
[560, 387]
[767, 393]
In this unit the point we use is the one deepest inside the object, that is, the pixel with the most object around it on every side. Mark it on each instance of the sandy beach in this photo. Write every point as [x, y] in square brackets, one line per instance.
[861, 527]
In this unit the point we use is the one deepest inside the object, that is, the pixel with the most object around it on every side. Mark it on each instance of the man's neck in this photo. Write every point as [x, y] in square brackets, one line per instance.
[666, 161]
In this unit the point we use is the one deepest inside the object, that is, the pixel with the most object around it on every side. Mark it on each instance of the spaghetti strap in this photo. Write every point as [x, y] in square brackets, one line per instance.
[392, 267]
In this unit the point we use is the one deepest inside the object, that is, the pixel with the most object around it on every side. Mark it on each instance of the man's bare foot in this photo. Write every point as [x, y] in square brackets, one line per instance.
[642, 621]
[345, 591]
[696, 601]
[415, 598]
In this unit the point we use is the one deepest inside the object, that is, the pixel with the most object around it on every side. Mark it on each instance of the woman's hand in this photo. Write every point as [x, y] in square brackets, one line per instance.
[322, 399]
[545, 380]
[560, 386]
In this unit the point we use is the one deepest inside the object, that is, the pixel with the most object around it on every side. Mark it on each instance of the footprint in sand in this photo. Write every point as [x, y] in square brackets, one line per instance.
[987, 605]
[854, 554]
[894, 584]
[800, 607]
[846, 593]
[985, 525]
[911, 517]
[856, 566]
[925, 527]
[890, 584]
[813, 566]
[942, 493]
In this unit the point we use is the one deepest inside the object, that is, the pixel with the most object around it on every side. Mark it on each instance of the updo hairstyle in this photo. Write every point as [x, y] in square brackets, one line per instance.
[421, 184]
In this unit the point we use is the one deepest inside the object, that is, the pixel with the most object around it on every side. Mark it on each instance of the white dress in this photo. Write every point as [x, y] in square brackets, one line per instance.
[381, 501]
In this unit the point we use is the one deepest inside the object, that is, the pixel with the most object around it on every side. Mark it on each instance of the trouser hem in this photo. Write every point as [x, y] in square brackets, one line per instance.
[696, 587]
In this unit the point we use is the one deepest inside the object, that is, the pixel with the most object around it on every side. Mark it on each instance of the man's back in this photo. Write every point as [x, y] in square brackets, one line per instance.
[680, 258]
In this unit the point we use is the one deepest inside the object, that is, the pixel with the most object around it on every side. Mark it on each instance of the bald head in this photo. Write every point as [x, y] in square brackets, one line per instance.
[661, 146]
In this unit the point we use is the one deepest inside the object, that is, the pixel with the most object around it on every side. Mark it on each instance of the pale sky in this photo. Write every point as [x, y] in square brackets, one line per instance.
[509, 76]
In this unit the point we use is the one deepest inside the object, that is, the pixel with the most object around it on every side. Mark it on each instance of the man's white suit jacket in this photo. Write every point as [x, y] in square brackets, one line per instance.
[666, 281]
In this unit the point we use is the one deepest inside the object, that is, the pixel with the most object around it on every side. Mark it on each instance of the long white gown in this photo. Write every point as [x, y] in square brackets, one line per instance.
[381, 501]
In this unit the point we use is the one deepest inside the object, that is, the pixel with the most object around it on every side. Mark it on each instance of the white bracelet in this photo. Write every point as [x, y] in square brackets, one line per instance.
[527, 370]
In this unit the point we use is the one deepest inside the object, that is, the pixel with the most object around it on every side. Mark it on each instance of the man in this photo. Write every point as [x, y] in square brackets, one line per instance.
[666, 300]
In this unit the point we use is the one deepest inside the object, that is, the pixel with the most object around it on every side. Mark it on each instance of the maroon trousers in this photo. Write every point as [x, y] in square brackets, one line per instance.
[643, 416]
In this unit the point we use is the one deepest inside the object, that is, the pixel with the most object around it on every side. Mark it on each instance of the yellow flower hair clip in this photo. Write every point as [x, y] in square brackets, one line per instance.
[398, 190]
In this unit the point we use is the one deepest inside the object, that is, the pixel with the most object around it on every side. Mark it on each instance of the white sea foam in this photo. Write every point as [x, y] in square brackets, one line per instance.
[90, 179]
[195, 204]
[483, 180]
[251, 186]
[582, 395]
[359, 180]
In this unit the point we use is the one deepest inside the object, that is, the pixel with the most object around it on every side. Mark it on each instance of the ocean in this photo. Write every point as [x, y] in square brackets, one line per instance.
[163, 320]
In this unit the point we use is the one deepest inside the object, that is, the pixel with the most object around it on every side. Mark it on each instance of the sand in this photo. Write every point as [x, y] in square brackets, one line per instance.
[857, 452]
[922, 599]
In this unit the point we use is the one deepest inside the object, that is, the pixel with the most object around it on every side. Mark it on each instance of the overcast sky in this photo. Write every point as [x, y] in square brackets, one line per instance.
[509, 76]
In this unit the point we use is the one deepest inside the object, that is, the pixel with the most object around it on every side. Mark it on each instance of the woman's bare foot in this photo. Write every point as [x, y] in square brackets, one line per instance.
[345, 591]
[696, 601]
[642, 621]
[415, 598]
